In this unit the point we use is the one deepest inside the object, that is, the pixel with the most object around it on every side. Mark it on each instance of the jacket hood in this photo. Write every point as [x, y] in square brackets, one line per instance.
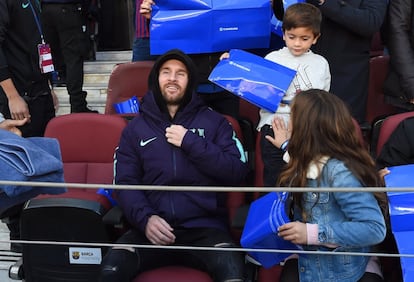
[154, 87]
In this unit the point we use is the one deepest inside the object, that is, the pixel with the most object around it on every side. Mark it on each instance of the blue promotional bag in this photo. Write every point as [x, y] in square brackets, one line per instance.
[130, 106]
[257, 80]
[265, 215]
[206, 26]
[401, 207]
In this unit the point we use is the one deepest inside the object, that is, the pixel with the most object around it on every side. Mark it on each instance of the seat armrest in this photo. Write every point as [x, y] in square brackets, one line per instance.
[114, 217]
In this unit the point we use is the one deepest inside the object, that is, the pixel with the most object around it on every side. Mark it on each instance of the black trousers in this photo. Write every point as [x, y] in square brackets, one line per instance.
[221, 266]
[64, 27]
[272, 158]
[41, 110]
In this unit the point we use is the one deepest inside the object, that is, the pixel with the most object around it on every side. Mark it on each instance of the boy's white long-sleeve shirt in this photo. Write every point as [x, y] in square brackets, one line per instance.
[312, 72]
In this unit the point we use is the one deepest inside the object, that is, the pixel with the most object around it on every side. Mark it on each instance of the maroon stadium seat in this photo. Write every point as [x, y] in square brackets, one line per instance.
[127, 80]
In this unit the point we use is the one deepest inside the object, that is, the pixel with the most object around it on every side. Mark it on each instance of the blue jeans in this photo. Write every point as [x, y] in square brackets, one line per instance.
[141, 50]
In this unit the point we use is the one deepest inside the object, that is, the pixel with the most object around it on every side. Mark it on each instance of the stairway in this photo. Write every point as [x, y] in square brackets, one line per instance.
[95, 80]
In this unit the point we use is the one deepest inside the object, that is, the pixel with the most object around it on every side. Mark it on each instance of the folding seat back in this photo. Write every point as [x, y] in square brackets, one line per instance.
[87, 142]
[249, 119]
[127, 80]
[377, 46]
[250, 112]
[388, 126]
[376, 107]
[235, 199]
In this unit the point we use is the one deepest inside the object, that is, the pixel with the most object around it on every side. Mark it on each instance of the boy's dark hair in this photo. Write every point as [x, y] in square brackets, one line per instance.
[302, 15]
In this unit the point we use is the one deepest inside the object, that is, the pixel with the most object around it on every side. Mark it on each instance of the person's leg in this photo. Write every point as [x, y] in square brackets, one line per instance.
[42, 111]
[121, 265]
[141, 50]
[221, 265]
[272, 158]
[73, 42]
[290, 271]
[11, 217]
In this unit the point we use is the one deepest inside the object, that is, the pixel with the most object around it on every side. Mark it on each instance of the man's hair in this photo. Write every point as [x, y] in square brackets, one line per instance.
[302, 15]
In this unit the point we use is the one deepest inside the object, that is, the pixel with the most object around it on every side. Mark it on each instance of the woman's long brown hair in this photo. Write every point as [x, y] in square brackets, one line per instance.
[323, 126]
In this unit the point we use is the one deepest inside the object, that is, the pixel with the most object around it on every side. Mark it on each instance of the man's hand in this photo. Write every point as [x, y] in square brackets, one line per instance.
[19, 110]
[55, 100]
[158, 231]
[10, 125]
[146, 8]
[175, 134]
[295, 232]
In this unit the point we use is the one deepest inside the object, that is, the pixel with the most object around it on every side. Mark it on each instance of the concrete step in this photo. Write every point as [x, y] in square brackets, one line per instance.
[96, 99]
[120, 56]
[99, 66]
[96, 77]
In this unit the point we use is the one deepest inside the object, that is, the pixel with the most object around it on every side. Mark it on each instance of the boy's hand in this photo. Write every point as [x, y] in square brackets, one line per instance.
[225, 55]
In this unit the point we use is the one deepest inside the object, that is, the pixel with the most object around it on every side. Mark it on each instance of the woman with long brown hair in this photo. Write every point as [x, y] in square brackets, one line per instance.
[324, 150]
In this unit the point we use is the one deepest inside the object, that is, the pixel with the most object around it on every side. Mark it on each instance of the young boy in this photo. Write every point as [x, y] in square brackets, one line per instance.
[301, 29]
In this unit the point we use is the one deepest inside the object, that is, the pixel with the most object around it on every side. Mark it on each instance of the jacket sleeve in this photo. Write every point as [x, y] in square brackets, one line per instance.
[400, 43]
[363, 17]
[364, 225]
[278, 9]
[4, 22]
[128, 171]
[222, 158]
[399, 149]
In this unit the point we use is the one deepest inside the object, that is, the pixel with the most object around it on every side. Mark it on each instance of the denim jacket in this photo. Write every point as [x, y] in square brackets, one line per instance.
[352, 221]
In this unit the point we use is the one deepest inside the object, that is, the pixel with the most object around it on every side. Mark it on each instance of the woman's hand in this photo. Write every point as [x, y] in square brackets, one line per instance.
[383, 172]
[295, 232]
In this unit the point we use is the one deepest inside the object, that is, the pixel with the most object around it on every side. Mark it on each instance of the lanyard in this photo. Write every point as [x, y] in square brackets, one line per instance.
[39, 27]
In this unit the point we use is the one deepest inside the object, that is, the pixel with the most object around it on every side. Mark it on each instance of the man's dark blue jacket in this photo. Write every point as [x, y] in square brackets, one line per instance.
[210, 155]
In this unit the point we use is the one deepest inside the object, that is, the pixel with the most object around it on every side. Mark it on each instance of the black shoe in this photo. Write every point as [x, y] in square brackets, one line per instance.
[16, 247]
[13, 224]
[84, 110]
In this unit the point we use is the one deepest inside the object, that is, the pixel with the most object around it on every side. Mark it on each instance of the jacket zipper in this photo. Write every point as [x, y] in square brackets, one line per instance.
[170, 193]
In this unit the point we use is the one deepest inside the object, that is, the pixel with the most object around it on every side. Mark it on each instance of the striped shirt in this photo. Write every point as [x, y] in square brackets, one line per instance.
[141, 23]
